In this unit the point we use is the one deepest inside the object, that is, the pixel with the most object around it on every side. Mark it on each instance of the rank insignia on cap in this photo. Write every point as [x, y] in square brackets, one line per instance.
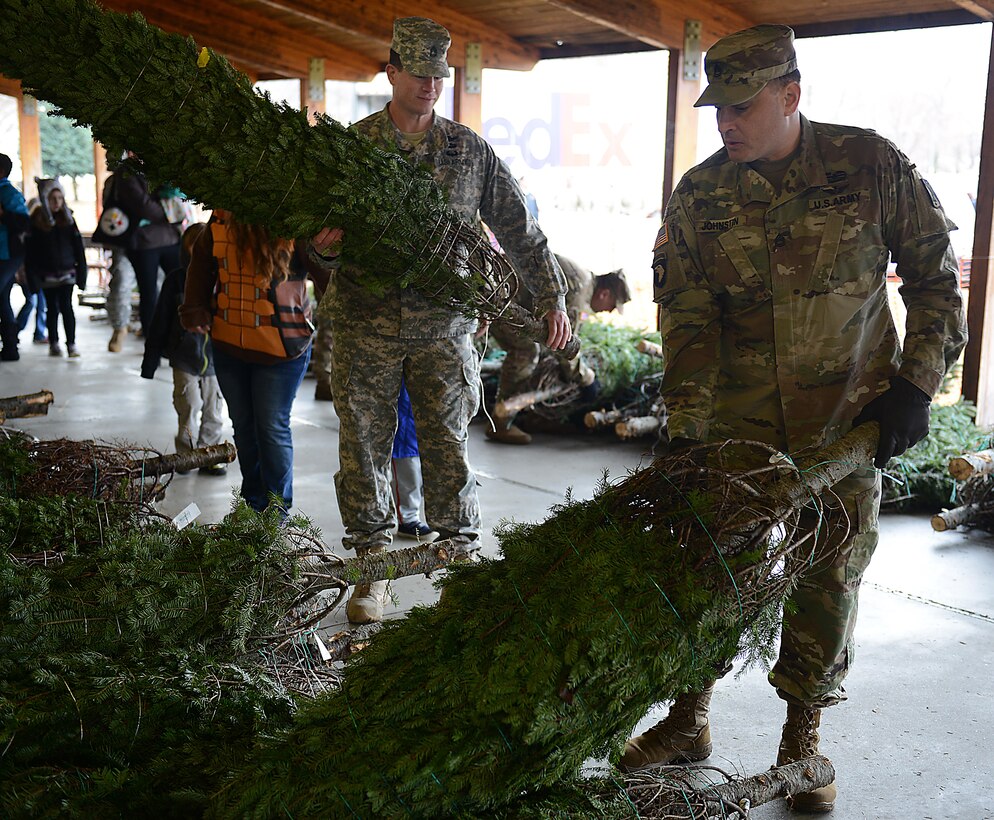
[661, 238]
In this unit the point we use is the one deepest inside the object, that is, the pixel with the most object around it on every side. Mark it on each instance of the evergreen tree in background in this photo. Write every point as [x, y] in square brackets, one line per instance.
[66, 149]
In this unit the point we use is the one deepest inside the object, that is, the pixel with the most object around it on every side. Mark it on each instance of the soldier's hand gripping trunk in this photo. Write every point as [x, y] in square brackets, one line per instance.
[903, 414]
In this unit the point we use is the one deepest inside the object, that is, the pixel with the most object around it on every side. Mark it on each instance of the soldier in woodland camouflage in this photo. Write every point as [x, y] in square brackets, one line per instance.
[378, 339]
[585, 294]
[770, 272]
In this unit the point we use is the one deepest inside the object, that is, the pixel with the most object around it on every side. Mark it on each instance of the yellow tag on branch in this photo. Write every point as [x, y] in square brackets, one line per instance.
[204, 58]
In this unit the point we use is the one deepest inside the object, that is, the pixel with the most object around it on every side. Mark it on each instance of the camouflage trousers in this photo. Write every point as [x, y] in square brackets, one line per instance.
[816, 645]
[443, 381]
[193, 395]
[521, 360]
[122, 284]
[323, 346]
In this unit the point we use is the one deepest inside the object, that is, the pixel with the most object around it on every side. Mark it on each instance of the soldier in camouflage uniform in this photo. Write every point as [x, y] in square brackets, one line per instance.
[770, 272]
[585, 294]
[379, 339]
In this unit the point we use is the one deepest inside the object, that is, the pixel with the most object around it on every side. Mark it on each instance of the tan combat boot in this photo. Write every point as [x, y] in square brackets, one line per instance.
[684, 736]
[366, 604]
[512, 434]
[117, 339]
[800, 740]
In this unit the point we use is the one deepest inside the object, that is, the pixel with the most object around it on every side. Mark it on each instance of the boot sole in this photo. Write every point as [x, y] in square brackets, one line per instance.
[687, 757]
[809, 808]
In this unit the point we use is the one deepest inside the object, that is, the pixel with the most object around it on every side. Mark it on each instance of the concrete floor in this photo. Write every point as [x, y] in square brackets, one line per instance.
[913, 741]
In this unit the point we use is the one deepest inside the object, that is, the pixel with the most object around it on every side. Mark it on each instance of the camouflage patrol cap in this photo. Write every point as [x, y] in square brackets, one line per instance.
[421, 45]
[740, 65]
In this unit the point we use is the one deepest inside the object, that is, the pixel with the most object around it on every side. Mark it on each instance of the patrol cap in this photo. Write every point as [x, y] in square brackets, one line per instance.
[740, 65]
[616, 282]
[422, 45]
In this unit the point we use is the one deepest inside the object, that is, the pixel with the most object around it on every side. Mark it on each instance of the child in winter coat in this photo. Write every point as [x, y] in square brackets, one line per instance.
[55, 263]
[195, 387]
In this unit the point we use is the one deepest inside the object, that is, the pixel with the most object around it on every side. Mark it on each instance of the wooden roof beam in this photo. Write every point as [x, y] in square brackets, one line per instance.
[264, 45]
[374, 22]
[659, 23]
[984, 9]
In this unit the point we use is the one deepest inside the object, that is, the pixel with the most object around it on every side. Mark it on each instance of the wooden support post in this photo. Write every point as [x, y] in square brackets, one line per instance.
[30, 135]
[978, 384]
[681, 122]
[467, 96]
[312, 89]
[100, 174]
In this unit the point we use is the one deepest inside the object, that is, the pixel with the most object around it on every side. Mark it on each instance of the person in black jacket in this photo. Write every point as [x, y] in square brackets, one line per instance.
[55, 262]
[155, 242]
[195, 387]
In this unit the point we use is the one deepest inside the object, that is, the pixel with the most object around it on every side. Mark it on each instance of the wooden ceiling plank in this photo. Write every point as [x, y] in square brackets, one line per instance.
[375, 22]
[263, 44]
[658, 23]
[984, 9]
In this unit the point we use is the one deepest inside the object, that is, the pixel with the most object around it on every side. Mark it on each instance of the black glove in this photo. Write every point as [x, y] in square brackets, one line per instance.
[903, 414]
[589, 393]
[680, 443]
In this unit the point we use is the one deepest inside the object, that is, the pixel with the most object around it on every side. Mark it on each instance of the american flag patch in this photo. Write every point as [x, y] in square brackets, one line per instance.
[661, 238]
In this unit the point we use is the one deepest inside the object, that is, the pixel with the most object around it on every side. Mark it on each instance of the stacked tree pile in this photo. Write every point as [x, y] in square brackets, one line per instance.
[974, 501]
[628, 373]
[137, 662]
[919, 480]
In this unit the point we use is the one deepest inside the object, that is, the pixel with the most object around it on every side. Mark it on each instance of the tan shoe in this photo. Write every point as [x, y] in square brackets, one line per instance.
[800, 740]
[117, 339]
[509, 435]
[366, 604]
[683, 736]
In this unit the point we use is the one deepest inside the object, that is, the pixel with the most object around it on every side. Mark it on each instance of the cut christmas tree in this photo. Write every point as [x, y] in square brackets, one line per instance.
[195, 121]
[531, 664]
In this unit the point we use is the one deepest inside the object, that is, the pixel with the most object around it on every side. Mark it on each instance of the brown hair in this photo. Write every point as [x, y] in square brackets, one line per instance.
[270, 255]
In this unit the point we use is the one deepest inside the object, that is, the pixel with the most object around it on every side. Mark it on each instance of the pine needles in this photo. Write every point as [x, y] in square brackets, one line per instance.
[197, 122]
[532, 664]
[136, 663]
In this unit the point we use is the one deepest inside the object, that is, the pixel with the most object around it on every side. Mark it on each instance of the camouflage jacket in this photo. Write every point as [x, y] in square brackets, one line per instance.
[774, 313]
[579, 291]
[477, 184]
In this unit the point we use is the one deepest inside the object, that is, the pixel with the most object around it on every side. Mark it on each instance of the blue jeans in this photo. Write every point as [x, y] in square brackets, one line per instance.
[35, 302]
[259, 399]
[8, 321]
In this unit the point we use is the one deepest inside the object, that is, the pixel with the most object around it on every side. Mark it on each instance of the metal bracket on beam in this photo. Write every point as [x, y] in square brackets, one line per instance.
[315, 78]
[692, 50]
[473, 72]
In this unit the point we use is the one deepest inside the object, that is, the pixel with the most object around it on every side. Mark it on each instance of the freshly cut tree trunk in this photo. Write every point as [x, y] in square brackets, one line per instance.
[184, 462]
[650, 348]
[971, 464]
[780, 781]
[602, 418]
[26, 406]
[638, 426]
[511, 406]
[951, 519]
[384, 566]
